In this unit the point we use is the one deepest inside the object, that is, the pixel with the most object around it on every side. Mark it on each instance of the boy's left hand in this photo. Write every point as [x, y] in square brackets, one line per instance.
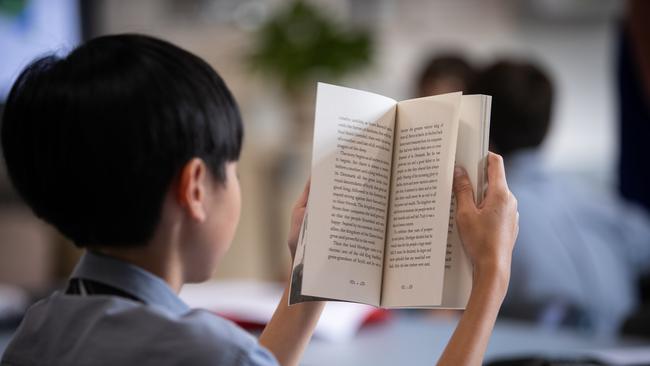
[296, 219]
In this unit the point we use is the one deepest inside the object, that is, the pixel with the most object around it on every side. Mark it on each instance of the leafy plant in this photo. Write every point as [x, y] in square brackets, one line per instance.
[300, 44]
[12, 8]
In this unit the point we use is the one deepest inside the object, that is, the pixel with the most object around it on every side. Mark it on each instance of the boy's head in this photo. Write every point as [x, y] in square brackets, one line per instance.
[445, 74]
[104, 142]
[522, 101]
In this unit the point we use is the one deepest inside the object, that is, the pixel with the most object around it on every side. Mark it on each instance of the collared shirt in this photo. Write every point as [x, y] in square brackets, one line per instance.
[576, 248]
[160, 329]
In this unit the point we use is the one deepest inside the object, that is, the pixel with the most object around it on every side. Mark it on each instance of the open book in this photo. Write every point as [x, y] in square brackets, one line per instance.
[379, 228]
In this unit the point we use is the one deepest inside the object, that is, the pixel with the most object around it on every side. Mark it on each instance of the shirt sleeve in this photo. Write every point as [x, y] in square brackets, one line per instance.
[258, 356]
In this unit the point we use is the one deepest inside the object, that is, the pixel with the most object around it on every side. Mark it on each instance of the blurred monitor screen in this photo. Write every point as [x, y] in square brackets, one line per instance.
[32, 28]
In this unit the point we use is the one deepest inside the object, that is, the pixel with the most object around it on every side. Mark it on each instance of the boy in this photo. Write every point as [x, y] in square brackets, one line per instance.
[129, 146]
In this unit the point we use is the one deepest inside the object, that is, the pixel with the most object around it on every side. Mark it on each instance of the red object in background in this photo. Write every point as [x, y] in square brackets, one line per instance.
[377, 316]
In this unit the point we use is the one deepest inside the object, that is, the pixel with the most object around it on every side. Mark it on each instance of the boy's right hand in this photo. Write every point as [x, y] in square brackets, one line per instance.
[488, 231]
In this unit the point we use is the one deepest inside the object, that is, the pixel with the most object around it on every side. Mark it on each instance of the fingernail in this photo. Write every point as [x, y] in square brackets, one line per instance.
[458, 171]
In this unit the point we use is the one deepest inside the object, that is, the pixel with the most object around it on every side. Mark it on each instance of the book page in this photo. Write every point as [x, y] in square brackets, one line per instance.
[423, 163]
[348, 199]
[471, 154]
[295, 285]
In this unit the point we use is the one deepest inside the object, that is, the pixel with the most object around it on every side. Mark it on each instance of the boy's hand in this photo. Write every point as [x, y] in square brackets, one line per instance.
[296, 219]
[488, 232]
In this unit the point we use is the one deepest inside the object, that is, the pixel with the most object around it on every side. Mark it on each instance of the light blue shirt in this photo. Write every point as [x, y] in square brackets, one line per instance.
[575, 247]
[72, 330]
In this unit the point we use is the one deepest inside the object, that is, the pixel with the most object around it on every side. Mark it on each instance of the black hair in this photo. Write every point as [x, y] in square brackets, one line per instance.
[522, 102]
[94, 140]
[449, 65]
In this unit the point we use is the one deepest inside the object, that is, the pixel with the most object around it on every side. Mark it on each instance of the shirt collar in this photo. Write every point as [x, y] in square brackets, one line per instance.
[151, 289]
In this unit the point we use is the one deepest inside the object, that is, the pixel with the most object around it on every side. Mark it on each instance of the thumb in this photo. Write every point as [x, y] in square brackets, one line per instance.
[463, 190]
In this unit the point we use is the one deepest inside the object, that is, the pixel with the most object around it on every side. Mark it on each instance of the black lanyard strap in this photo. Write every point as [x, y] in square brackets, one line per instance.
[85, 287]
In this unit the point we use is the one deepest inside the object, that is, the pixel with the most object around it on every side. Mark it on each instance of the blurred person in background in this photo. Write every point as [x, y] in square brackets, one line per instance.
[578, 254]
[633, 71]
[633, 82]
[446, 73]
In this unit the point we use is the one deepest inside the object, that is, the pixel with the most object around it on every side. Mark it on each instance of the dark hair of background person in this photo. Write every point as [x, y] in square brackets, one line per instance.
[93, 141]
[444, 74]
[522, 102]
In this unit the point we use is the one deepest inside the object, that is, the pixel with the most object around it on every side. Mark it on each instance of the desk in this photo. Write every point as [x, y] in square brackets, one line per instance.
[418, 340]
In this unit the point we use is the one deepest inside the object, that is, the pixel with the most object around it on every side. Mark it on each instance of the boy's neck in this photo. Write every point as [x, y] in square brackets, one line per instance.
[162, 254]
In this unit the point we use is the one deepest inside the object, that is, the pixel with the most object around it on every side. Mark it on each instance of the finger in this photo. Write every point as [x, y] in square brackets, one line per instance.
[302, 200]
[496, 176]
[463, 190]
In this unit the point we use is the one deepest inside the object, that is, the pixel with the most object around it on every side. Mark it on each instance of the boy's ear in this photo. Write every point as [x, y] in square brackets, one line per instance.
[192, 188]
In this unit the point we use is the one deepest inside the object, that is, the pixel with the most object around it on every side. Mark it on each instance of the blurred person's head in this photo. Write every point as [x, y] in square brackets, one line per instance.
[522, 100]
[125, 142]
[445, 74]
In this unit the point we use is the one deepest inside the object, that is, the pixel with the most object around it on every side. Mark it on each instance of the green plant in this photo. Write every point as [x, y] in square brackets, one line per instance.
[12, 8]
[300, 44]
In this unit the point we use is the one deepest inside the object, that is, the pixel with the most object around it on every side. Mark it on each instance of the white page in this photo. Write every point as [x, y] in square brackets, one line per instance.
[471, 154]
[295, 285]
[423, 164]
[344, 243]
